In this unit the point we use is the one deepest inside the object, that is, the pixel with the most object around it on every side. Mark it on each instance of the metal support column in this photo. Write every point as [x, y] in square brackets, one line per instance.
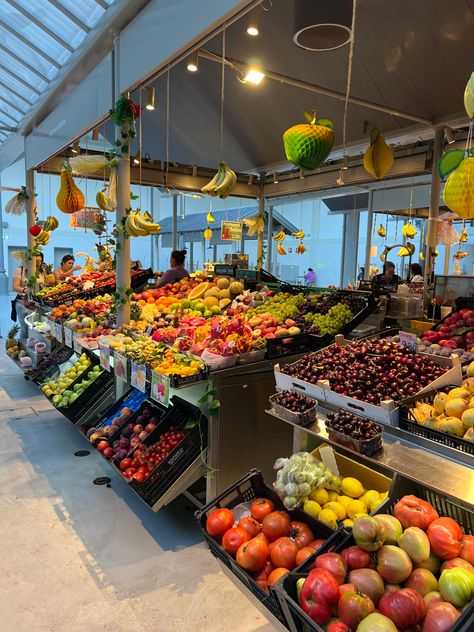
[431, 232]
[174, 236]
[269, 238]
[3, 275]
[155, 255]
[261, 214]
[370, 223]
[30, 218]
[123, 245]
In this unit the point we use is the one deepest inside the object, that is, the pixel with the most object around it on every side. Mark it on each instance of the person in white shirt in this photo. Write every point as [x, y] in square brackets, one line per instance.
[415, 273]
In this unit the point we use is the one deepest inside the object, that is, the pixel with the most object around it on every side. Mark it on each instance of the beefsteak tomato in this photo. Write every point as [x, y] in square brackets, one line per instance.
[250, 525]
[445, 538]
[252, 555]
[276, 574]
[467, 550]
[283, 553]
[276, 524]
[352, 607]
[355, 557]
[301, 534]
[404, 607]
[334, 563]
[219, 521]
[414, 512]
[319, 593]
[456, 586]
[440, 618]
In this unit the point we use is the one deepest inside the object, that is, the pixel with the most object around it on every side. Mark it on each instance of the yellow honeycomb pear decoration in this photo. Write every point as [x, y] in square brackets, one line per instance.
[378, 157]
[459, 189]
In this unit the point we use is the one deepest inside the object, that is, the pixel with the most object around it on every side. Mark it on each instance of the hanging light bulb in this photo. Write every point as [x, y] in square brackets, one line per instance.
[136, 160]
[150, 98]
[193, 61]
[275, 178]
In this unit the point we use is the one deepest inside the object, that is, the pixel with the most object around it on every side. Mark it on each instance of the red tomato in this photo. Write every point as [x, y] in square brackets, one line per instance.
[263, 537]
[252, 555]
[414, 512]
[219, 521]
[139, 476]
[264, 572]
[275, 575]
[440, 618]
[233, 539]
[129, 472]
[303, 555]
[276, 524]
[319, 593]
[250, 525]
[467, 551]
[125, 464]
[316, 544]
[355, 557]
[405, 607]
[301, 534]
[337, 626]
[102, 445]
[353, 607]
[283, 553]
[445, 537]
[334, 563]
[260, 508]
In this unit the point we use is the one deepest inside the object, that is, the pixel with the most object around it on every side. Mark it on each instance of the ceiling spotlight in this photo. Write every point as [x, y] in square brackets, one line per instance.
[254, 76]
[449, 134]
[136, 160]
[95, 134]
[192, 63]
[150, 98]
[275, 178]
[75, 148]
[345, 162]
[251, 177]
[195, 170]
[252, 30]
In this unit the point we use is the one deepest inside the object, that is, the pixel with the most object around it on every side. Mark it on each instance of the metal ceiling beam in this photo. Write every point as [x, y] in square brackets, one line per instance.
[8, 115]
[310, 87]
[16, 94]
[102, 4]
[29, 44]
[6, 128]
[31, 18]
[10, 105]
[25, 64]
[19, 79]
[70, 16]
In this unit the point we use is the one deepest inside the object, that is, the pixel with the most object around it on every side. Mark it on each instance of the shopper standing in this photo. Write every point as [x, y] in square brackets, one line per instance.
[310, 277]
[19, 285]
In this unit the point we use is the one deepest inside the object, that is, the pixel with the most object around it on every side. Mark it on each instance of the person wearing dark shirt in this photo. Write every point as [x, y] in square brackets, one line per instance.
[387, 276]
[177, 271]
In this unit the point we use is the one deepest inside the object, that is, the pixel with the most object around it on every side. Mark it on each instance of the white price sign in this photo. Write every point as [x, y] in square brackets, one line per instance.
[52, 328]
[77, 345]
[68, 337]
[59, 332]
[409, 340]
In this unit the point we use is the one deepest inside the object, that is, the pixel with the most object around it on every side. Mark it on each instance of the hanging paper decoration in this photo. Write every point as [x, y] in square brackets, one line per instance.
[35, 230]
[381, 232]
[409, 230]
[299, 234]
[458, 191]
[378, 157]
[301, 248]
[463, 236]
[17, 204]
[279, 237]
[446, 234]
[88, 164]
[210, 218]
[421, 256]
[281, 250]
[113, 184]
[449, 161]
[469, 97]
[309, 144]
[460, 254]
[207, 233]
[254, 224]
[70, 198]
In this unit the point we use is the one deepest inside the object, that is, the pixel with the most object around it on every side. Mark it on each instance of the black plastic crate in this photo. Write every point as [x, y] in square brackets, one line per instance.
[89, 398]
[280, 347]
[181, 457]
[246, 489]
[464, 302]
[49, 364]
[176, 381]
[103, 417]
[406, 422]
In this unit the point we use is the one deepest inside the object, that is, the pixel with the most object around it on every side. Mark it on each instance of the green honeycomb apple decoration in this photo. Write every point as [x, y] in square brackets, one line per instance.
[309, 144]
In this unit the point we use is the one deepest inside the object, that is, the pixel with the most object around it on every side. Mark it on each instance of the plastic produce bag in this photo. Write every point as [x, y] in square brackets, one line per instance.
[299, 476]
[447, 235]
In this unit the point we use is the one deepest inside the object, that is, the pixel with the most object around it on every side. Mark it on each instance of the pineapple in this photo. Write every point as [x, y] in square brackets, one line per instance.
[10, 341]
[49, 278]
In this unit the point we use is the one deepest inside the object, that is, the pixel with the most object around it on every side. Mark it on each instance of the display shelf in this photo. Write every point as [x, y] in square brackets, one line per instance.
[444, 470]
[190, 476]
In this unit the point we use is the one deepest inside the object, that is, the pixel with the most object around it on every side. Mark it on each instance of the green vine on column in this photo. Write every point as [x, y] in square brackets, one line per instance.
[124, 115]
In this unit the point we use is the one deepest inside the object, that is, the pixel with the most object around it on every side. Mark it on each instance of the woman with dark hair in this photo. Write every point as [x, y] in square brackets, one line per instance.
[19, 285]
[177, 271]
[415, 273]
[66, 269]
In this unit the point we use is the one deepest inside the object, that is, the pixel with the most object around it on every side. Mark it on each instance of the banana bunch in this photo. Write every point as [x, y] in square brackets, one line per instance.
[279, 237]
[299, 234]
[300, 249]
[409, 230]
[43, 238]
[103, 201]
[460, 254]
[138, 225]
[381, 232]
[210, 218]
[254, 224]
[222, 183]
[51, 223]
[281, 250]
[421, 256]
[406, 250]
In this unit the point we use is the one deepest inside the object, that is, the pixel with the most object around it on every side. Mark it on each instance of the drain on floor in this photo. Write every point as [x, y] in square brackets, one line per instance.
[102, 480]
[82, 453]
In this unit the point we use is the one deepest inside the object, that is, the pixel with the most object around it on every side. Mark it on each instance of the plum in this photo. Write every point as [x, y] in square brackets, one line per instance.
[127, 432]
[124, 443]
[146, 412]
[121, 454]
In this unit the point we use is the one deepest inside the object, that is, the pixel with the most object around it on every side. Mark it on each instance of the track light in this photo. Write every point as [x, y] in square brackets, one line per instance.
[251, 177]
[254, 76]
[195, 170]
[75, 148]
[150, 98]
[95, 134]
[252, 30]
[345, 162]
[193, 61]
[275, 178]
[449, 134]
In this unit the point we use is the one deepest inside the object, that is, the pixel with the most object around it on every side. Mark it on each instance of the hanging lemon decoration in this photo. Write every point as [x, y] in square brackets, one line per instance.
[378, 157]
[207, 233]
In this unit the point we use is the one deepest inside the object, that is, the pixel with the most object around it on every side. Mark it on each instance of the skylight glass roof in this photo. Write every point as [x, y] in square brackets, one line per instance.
[37, 37]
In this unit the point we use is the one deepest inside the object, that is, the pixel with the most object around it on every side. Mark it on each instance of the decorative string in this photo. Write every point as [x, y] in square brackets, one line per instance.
[167, 126]
[348, 88]
[222, 96]
[140, 150]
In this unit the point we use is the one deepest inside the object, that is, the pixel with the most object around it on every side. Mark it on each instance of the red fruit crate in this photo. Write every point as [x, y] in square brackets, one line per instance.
[246, 489]
[298, 621]
[180, 413]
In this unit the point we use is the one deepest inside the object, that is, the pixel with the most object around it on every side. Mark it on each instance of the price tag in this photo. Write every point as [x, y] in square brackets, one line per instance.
[138, 377]
[121, 366]
[52, 328]
[104, 353]
[68, 337]
[59, 333]
[77, 346]
[409, 340]
[160, 388]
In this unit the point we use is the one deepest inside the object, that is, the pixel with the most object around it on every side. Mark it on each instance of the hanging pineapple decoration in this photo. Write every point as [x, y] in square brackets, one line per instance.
[70, 198]
[378, 157]
[469, 97]
[309, 144]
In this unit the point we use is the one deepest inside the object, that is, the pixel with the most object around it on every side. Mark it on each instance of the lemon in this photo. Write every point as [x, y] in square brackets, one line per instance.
[332, 496]
[359, 515]
[327, 516]
[312, 508]
[356, 507]
[320, 496]
[338, 509]
[352, 487]
[370, 496]
[344, 501]
[348, 523]
[376, 502]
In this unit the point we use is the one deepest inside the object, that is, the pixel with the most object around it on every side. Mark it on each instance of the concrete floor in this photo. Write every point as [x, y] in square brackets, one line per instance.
[78, 557]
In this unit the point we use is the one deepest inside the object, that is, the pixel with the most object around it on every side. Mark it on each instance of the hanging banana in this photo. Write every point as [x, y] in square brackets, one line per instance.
[103, 201]
[299, 234]
[421, 256]
[279, 237]
[210, 218]
[281, 250]
[409, 230]
[222, 183]
[381, 232]
[460, 254]
[300, 249]
[138, 225]
[254, 224]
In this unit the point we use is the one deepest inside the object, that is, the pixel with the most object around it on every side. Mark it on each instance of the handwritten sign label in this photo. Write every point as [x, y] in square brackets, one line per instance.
[409, 340]
[160, 388]
[59, 332]
[68, 337]
[138, 377]
[77, 345]
[104, 353]
[121, 366]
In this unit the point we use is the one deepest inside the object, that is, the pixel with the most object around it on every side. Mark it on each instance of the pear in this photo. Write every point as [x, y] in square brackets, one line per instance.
[439, 402]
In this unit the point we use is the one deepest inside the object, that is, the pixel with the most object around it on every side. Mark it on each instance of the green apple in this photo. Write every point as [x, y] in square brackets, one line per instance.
[57, 399]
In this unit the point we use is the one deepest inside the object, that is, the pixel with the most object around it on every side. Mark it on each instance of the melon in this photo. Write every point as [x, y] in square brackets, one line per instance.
[236, 288]
[199, 291]
[210, 301]
[223, 294]
[212, 292]
[222, 283]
